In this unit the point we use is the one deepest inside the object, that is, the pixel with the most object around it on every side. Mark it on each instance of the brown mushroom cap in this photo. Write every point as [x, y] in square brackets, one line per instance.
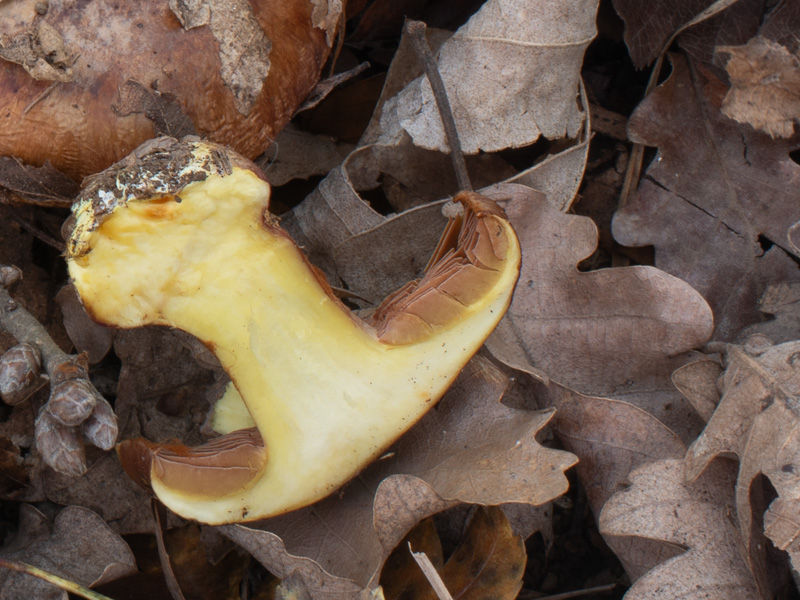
[81, 87]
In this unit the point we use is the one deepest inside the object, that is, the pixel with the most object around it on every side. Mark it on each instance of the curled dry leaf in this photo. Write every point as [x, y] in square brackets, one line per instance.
[298, 154]
[77, 545]
[765, 86]
[703, 203]
[537, 100]
[42, 186]
[612, 332]
[470, 449]
[697, 382]
[105, 490]
[758, 420]
[120, 75]
[698, 517]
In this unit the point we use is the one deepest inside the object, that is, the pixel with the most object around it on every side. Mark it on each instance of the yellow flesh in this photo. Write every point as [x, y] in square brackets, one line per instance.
[325, 394]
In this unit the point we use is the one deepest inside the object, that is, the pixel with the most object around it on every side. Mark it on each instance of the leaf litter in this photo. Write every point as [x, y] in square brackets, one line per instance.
[614, 351]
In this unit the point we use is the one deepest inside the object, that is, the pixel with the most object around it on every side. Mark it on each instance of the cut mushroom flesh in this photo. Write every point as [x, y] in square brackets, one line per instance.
[191, 245]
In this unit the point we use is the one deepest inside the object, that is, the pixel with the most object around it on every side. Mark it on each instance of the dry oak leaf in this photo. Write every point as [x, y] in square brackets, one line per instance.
[470, 448]
[782, 302]
[77, 545]
[611, 438]
[765, 86]
[496, 104]
[698, 517]
[697, 382]
[716, 192]
[612, 332]
[758, 420]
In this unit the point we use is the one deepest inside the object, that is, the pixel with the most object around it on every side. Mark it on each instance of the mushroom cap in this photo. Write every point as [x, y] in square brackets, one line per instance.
[84, 84]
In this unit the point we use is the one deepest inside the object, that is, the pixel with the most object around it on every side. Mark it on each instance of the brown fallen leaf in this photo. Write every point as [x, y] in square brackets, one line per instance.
[697, 382]
[77, 545]
[704, 204]
[649, 26]
[43, 186]
[765, 86]
[470, 448]
[758, 421]
[297, 154]
[612, 438]
[782, 302]
[612, 332]
[722, 22]
[488, 562]
[699, 517]
[197, 575]
[534, 101]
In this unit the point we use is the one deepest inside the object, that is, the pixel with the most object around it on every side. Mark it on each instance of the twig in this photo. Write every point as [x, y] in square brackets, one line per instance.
[24, 327]
[600, 589]
[415, 30]
[60, 582]
[160, 517]
[75, 406]
[42, 95]
[431, 574]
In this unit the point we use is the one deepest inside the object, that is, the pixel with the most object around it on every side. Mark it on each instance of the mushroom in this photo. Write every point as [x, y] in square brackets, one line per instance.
[180, 235]
[83, 84]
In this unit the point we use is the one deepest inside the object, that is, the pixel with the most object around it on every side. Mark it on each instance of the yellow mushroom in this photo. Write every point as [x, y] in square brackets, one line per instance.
[179, 235]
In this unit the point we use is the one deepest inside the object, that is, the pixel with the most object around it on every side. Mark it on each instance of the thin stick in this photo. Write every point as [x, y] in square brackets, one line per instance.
[415, 30]
[160, 517]
[431, 574]
[600, 589]
[60, 582]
